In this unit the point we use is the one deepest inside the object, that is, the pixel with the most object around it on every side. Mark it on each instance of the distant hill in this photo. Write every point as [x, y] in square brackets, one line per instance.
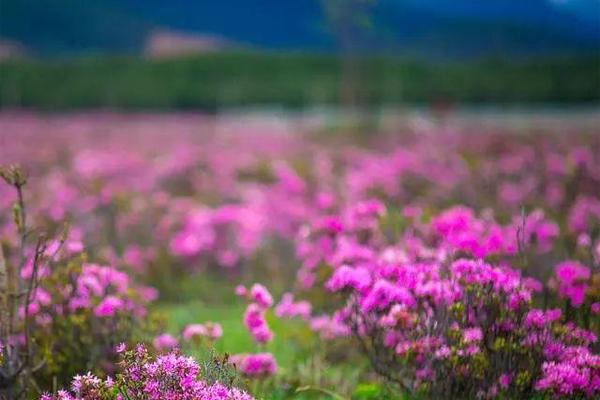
[431, 28]
[57, 27]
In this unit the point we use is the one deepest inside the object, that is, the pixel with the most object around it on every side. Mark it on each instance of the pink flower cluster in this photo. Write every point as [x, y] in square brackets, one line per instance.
[169, 376]
[458, 229]
[571, 280]
[584, 214]
[254, 317]
[575, 372]
[107, 291]
[209, 330]
[328, 327]
[255, 365]
[164, 342]
[229, 232]
[193, 333]
[288, 308]
[419, 309]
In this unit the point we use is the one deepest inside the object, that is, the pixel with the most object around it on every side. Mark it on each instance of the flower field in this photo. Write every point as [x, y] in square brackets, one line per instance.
[182, 257]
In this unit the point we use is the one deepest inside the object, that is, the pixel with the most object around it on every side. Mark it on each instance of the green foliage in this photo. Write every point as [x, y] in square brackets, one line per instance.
[294, 80]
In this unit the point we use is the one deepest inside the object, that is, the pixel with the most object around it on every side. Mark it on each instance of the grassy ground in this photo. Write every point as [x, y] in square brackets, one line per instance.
[308, 369]
[236, 338]
[290, 347]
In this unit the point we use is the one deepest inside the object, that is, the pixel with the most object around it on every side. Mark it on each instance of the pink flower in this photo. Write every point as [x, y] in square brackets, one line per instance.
[504, 381]
[329, 328]
[213, 330]
[471, 335]
[84, 383]
[109, 306]
[74, 246]
[584, 240]
[346, 277]
[148, 293]
[192, 241]
[193, 331]
[539, 319]
[255, 365]
[254, 319]
[443, 352]
[240, 290]
[134, 257]
[289, 309]
[261, 295]
[209, 330]
[572, 279]
[383, 293]
[164, 342]
[262, 334]
[32, 309]
[573, 374]
[533, 284]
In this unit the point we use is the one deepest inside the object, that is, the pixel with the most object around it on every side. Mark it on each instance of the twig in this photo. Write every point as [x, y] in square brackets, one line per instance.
[39, 251]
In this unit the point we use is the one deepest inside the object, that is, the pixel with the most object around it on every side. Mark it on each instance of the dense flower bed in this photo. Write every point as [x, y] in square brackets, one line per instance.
[465, 265]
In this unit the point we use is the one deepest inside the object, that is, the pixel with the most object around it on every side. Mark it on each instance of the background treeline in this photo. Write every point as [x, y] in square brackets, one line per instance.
[220, 80]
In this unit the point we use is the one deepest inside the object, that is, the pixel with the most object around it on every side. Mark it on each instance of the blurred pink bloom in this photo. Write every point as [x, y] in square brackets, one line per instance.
[164, 342]
[261, 295]
[108, 306]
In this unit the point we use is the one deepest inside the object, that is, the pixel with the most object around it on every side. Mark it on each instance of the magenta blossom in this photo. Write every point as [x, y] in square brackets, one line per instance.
[255, 365]
[109, 306]
[571, 279]
[164, 342]
[260, 295]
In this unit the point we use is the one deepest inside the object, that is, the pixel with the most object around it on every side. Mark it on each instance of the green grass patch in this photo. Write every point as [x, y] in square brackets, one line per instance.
[304, 370]
[289, 335]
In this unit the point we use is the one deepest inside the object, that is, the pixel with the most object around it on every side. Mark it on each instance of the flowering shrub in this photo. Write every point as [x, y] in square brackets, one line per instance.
[169, 376]
[457, 325]
[54, 303]
[443, 325]
[70, 318]
[87, 306]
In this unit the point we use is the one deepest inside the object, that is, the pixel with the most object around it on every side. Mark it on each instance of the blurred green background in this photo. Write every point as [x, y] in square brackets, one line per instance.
[180, 54]
[234, 79]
